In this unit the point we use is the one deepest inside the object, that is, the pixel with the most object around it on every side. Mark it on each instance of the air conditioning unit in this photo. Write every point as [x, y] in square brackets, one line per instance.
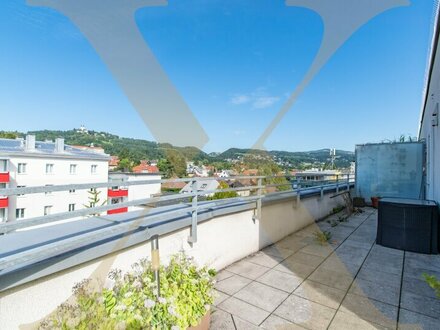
[408, 224]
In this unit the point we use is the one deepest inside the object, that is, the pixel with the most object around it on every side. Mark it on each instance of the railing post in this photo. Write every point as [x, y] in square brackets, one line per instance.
[322, 191]
[259, 194]
[298, 192]
[193, 235]
[337, 183]
[155, 261]
[348, 182]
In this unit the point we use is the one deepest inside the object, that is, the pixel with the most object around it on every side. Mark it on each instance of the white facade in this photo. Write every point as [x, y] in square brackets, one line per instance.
[55, 202]
[118, 194]
[44, 166]
[429, 126]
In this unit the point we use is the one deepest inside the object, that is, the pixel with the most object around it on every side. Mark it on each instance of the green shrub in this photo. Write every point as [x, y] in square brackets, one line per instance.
[223, 194]
[186, 294]
[322, 237]
[337, 209]
[342, 219]
[433, 282]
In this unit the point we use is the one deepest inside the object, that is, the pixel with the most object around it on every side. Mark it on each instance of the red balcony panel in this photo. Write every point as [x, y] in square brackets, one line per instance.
[4, 177]
[116, 211]
[4, 202]
[117, 193]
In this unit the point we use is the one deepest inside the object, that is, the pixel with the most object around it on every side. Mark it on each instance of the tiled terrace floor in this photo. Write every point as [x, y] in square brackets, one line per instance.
[351, 283]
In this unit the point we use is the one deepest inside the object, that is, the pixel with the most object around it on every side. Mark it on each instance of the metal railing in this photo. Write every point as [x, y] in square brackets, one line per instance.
[257, 187]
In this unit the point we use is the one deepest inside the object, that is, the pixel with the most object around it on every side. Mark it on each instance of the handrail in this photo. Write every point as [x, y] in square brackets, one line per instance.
[144, 221]
[10, 226]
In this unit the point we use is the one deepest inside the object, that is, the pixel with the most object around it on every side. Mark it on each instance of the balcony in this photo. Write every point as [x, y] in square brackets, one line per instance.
[117, 211]
[117, 193]
[273, 272]
[4, 177]
[4, 202]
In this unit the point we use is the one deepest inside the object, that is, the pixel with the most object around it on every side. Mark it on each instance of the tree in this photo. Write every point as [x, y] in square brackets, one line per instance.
[271, 169]
[165, 168]
[174, 165]
[125, 165]
[8, 135]
[94, 201]
[223, 194]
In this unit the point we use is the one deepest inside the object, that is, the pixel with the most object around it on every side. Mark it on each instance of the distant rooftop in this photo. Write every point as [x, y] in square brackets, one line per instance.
[17, 147]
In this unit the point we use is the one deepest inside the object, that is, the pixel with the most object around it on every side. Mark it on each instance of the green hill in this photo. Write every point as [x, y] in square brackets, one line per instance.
[136, 150]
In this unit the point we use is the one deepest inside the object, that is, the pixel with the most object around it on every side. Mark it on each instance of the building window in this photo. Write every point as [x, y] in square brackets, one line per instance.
[72, 168]
[72, 191]
[49, 168]
[21, 168]
[2, 215]
[48, 192]
[20, 187]
[3, 165]
[71, 207]
[93, 169]
[47, 210]
[19, 213]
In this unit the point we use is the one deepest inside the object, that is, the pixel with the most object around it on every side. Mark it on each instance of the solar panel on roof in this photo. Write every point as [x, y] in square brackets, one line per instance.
[9, 145]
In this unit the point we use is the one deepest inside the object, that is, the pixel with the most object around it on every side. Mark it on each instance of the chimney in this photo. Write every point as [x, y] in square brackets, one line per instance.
[30, 143]
[59, 146]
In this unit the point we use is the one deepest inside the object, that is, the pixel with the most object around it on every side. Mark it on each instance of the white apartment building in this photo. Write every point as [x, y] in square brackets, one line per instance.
[119, 194]
[27, 163]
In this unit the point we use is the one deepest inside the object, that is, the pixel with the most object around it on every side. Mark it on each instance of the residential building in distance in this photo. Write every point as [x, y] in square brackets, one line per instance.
[145, 167]
[318, 175]
[28, 163]
[120, 193]
[113, 163]
[194, 170]
[4, 183]
[203, 185]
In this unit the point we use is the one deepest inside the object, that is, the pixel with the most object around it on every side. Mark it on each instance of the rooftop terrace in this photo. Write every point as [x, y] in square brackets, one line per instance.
[287, 279]
[350, 283]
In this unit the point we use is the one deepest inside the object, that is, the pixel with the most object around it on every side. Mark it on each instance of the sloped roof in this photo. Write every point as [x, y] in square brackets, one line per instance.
[145, 167]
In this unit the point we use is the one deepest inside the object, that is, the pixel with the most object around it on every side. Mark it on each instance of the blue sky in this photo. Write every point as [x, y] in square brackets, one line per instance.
[234, 62]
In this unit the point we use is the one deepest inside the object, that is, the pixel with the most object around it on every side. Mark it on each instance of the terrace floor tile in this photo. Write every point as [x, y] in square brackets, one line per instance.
[409, 320]
[277, 251]
[274, 322]
[232, 284]
[281, 280]
[349, 321]
[254, 293]
[320, 293]
[421, 304]
[370, 310]
[247, 269]
[221, 320]
[243, 310]
[264, 259]
[376, 291]
[305, 313]
[331, 278]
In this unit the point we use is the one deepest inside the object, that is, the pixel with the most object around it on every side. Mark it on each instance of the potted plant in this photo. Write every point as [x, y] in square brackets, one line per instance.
[184, 301]
[375, 201]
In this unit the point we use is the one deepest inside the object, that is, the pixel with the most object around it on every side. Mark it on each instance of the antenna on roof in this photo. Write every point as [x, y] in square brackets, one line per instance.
[333, 157]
